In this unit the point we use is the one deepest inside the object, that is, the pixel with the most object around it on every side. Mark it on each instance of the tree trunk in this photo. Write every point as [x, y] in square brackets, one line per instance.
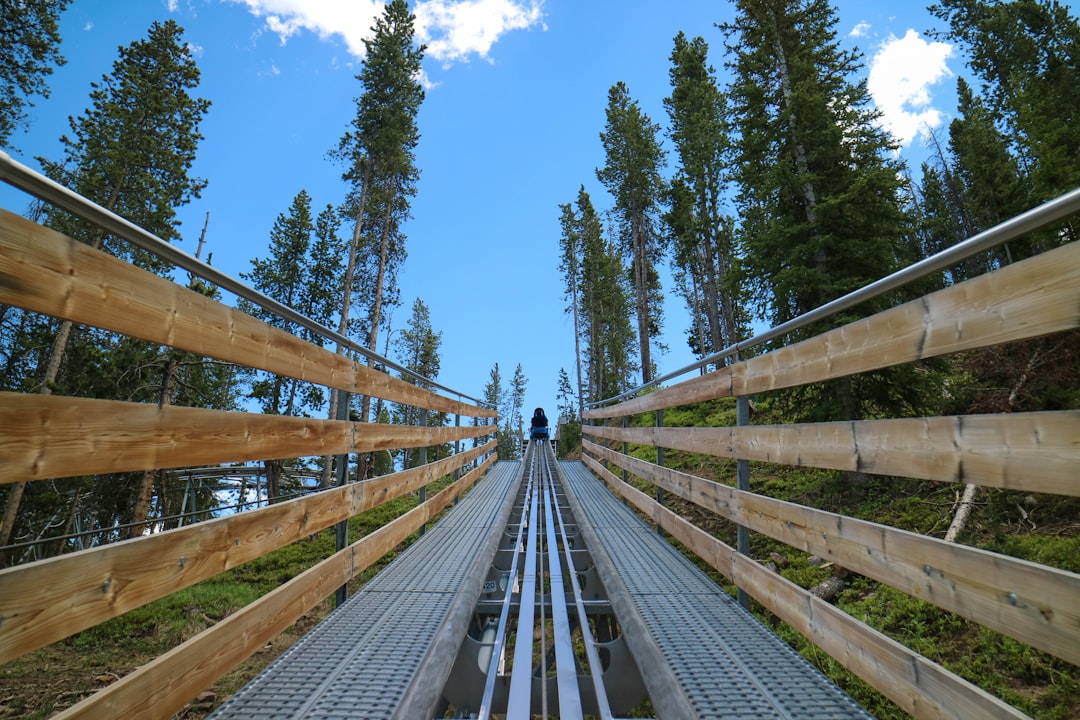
[145, 494]
[710, 276]
[69, 523]
[641, 288]
[963, 512]
[374, 319]
[346, 302]
[802, 167]
[577, 341]
[273, 480]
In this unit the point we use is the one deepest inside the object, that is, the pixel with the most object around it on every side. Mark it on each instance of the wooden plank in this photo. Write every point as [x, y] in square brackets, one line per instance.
[1035, 297]
[44, 271]
[159, 689]
[48, 436]
[46, 601]
[919, 686]
[1033, 603]
[1034, 452]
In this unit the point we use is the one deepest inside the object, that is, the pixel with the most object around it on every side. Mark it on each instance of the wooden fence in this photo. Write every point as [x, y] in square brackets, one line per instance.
[1036, 452]
[48, 436]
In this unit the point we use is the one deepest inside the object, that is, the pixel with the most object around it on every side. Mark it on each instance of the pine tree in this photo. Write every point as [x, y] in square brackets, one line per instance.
[569, 422]
[286, 276]
[418, 349]
[819, 190]
[570, 245]
[378, 152]
[495, 396]
[185, 379]
[992, 188]
[29, 49]
[634, 158]
[705, 254]
[1027, 54]
[130, 153]
[303, 272]
[517, 396]
[609, 307]
[606, 336]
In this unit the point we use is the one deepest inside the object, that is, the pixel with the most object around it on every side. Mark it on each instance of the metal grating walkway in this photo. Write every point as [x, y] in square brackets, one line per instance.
[367, 657]
[702, 654]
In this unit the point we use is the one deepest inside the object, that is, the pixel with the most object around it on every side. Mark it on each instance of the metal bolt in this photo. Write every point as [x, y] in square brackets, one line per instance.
[105, 586]
[1013, 599]
[183, 561]
[926, 569]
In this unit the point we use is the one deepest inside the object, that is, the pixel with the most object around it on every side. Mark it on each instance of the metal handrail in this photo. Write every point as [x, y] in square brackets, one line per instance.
[28, 180]
[1035, 218]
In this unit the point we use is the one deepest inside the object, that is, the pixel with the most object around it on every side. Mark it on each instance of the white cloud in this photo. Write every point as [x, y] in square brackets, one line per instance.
[195, 50]
[89, 25]
[350, 19]
[901, 75]
[860, 30]
[455, 30]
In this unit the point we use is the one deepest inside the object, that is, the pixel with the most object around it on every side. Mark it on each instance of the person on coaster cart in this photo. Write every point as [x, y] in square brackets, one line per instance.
[539, 428]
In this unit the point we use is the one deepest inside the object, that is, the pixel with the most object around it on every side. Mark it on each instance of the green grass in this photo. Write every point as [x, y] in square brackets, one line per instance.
[40, 683]
[1039, 528]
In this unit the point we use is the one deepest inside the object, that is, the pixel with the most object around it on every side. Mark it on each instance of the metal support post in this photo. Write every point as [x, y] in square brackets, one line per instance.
[423, 461]
[605, 442]
[341, 472]
[660, 462]
[625, 447]
[742, 419]
[457, 450]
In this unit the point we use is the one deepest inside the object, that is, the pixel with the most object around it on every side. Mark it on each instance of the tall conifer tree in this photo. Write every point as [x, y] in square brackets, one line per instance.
[131, 153]
[705, 254]
[633, 160]
[1027, 55]
[418, 350]
[571, 247]
[378, 152]
[818, 186]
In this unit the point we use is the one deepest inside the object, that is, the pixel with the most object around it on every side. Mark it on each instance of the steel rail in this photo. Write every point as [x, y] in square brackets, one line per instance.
[519, 702]
[1033, 219]
[504, 614]
[565, 665]
[596, 670]
[541, 553]
[30, 181]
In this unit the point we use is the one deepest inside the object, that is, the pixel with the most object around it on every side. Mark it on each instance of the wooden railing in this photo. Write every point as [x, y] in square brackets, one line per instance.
[49, 436]
[1036, 452]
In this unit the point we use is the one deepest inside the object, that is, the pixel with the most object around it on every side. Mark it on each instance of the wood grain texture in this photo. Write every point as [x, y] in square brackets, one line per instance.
[49, 436]
[44, 271]
[922, 688]
[49, 600]
[159, 689]
[1034, 452]
[1035, 297]
[1033, 603]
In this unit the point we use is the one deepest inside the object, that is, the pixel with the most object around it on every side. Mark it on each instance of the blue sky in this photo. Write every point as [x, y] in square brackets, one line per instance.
[510, 129]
